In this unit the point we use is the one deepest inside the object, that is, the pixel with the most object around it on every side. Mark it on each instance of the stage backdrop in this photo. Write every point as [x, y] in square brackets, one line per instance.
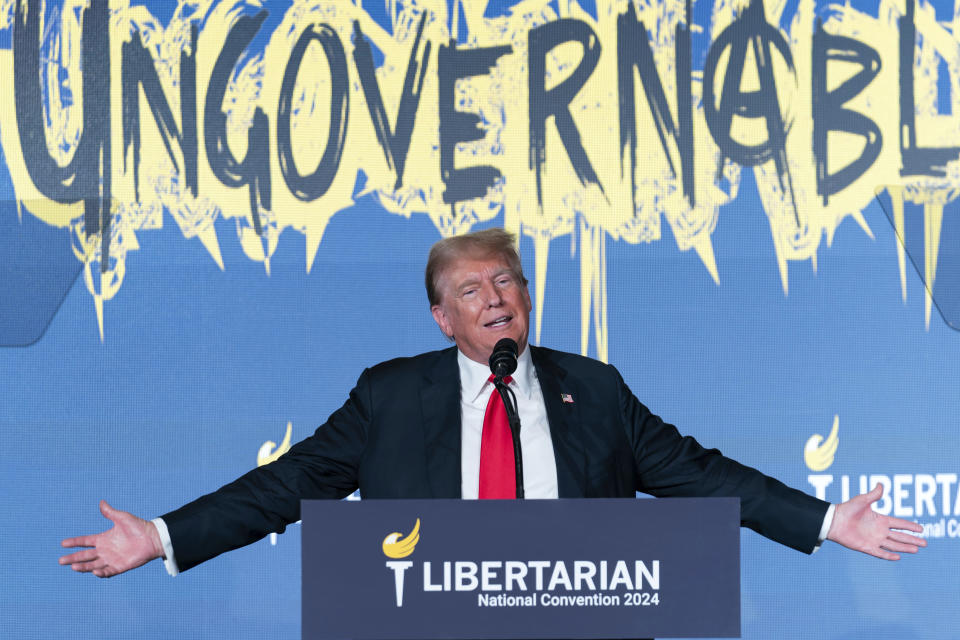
[216, 213]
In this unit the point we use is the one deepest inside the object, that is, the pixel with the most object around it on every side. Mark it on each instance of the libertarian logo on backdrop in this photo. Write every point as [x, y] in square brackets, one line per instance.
[527, 583]
[270, 451]
[930, 497]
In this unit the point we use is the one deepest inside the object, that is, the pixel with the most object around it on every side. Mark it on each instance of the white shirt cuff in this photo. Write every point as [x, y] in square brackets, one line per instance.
[169, 561]
[825, 527]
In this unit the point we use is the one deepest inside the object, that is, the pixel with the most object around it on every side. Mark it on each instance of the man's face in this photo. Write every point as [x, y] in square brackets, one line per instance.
[482, 301]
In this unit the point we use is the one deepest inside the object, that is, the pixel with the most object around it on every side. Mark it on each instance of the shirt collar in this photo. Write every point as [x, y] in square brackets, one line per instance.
[474, 376]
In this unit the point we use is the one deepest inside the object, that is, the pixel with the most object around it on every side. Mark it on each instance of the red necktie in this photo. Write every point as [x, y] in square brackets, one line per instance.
[498, 475]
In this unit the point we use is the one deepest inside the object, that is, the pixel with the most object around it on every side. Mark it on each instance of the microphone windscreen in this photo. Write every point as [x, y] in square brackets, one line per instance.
[503, 360]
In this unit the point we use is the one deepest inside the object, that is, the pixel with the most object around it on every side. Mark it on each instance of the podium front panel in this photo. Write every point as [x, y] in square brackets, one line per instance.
[611, 568]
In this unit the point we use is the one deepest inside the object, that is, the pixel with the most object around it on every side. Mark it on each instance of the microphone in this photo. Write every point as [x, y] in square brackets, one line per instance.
[503, 360]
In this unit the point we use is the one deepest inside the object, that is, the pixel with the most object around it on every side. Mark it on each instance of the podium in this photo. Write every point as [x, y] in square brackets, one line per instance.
[489, 569]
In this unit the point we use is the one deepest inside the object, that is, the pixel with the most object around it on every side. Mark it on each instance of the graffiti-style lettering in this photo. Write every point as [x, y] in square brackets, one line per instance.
[254, 171]
[917, 160]
[59, 151]
[634, 52]
[829, 114]
[556, 101]
[752, 30]
[138, 71]
[457, 126]
[313, 186]
[395, 142]
[57, 183]
[80, 179]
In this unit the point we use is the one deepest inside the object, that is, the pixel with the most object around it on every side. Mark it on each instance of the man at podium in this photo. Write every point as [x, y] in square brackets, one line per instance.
[435, 426]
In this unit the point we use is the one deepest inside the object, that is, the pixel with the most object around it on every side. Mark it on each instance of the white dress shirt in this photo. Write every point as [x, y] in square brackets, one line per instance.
[539, 465]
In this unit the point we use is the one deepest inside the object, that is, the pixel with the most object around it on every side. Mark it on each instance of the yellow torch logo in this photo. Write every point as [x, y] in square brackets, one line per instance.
[818, 453]
[396, 546]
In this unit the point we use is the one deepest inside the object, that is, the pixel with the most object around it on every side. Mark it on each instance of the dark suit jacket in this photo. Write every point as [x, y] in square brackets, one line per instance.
[398, 436]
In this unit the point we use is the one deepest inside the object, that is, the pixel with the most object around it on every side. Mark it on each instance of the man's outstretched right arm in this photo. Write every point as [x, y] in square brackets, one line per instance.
[264, 500]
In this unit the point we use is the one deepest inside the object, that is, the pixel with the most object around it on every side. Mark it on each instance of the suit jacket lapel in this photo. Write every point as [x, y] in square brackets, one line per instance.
[440, 406]
[565, 424]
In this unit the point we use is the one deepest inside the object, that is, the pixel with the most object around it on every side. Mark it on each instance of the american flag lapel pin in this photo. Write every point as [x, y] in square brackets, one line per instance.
[567, 398]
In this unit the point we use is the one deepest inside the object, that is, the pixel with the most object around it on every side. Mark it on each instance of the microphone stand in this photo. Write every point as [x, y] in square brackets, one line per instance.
[513, 419]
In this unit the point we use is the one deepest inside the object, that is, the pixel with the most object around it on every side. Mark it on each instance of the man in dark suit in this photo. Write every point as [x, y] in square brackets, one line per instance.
[416, 428]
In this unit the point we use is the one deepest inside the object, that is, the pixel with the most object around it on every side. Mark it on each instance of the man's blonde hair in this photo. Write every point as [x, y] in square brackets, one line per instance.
[479, 244]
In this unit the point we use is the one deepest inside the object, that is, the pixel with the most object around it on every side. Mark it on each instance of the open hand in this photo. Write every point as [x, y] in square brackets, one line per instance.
[858, 527]
[130, 543]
